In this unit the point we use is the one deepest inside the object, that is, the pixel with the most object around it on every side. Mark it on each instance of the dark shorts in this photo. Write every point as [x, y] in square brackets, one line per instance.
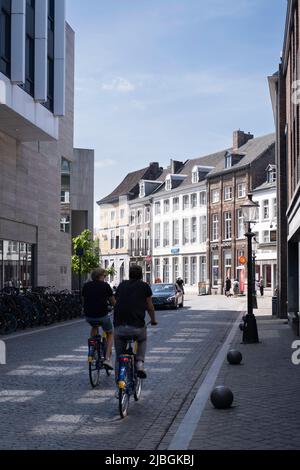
[104, 322]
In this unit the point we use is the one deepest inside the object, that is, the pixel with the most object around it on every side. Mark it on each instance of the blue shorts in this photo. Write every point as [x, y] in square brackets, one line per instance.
[104, 322]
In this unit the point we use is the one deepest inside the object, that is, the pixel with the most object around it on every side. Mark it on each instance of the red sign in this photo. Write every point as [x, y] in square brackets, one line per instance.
[242, 260]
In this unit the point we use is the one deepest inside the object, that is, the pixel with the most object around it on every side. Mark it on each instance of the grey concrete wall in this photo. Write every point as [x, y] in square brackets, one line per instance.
[30, 185]
[82, 186]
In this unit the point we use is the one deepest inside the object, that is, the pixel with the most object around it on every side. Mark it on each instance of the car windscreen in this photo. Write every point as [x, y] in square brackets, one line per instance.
[161, 289]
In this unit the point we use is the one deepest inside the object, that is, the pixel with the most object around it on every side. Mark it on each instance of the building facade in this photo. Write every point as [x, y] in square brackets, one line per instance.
[284, 88]
[239, 171]
[116, 249]
[265, 243]
[36, 142]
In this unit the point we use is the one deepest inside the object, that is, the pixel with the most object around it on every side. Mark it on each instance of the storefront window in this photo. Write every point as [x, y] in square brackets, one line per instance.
[16, 264]
[215, 270]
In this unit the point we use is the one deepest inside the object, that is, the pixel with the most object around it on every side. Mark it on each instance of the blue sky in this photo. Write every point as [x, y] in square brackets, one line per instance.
[161, 79]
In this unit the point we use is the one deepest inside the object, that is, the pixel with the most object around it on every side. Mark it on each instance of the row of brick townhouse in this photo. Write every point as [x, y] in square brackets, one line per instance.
[185, 220]
[284, 88]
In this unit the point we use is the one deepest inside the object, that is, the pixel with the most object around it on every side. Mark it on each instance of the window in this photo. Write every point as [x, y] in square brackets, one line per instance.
[186, 270]
[175, 269]
[266, 210]
[157, 268]
[193, 271]
[194, 200]
[215, 227]
[157, 208]
[272, 175]
[227, 225]
[185, 231]
[112, 240]
[240, 224]
[228, 161]
[166, 206]
[142, 189]
[203, 198]
[275, 208]
[194, 230]
[157, 236]
[132, 217]
[166, 234]
[176, 232]
[65, 224]
[147, 214]
[203, 229]
[186, 202]
[227, 265]
[65, 197]
[5, 37]
[202, 269]
[16, 264]
[29, 47]
[147, 241]
[266, 236]
[112, 216]
[139, 244]
[168, 184]
[195, 177]
[241, 190]
[215, 196]
[50, 71]
[122, 213]
[122, 238]
[215, 270]
[176, 204]
[228, 193]
[139, 217]
[166, 270]
[132, 241]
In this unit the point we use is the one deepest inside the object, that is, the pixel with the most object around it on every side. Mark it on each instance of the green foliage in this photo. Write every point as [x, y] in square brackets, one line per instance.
[90, 258]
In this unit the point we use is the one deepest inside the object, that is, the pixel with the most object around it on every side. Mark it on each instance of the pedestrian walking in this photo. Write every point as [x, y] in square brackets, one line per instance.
[236, 288]
[227, 287]
[261, 287]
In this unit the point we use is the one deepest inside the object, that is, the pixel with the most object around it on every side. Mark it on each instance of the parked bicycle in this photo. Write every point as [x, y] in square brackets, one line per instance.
[96, 357]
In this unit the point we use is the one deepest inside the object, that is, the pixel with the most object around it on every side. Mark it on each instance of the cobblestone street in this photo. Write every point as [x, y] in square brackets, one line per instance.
[46, 401]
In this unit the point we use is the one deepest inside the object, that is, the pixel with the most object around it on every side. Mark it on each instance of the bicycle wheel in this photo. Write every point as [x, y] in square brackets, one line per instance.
[123, 403]
[94, 370]
[138, 389]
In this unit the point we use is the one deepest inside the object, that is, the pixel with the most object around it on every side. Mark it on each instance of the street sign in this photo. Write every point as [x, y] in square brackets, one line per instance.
[175, 251]
[242, 260]
[80, 252]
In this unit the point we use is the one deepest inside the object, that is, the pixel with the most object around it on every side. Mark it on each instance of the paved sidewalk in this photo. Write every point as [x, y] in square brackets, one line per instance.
[266, 411]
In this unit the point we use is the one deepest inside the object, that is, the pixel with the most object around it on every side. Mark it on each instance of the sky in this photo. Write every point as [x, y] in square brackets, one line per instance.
[162, 79]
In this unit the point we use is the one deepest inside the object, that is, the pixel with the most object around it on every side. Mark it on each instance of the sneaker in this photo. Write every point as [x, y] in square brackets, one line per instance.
[140, 370]
[108, 364]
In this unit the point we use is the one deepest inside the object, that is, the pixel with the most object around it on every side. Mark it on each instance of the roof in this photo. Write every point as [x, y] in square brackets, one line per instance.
[266, 185]
[125, 188]
[186, 171]
[252, 150]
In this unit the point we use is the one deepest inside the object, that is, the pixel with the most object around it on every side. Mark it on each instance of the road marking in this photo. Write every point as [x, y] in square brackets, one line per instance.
[187, 428]
[41, 330]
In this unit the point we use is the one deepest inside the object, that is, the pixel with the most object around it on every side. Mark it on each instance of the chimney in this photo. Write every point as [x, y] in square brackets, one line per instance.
[176, 166]
[240, 138]
[154, 170]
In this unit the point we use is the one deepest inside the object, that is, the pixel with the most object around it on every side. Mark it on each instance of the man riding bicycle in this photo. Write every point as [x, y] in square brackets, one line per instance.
[97, 294]
[133, 298]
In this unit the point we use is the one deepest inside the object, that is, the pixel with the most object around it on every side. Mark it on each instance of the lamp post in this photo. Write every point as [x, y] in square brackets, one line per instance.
[250, 214]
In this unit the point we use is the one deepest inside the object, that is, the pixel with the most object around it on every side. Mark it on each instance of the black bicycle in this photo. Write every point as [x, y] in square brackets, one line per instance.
[96, 357]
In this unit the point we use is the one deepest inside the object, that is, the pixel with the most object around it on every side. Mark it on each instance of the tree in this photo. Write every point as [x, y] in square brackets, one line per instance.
[89, 259]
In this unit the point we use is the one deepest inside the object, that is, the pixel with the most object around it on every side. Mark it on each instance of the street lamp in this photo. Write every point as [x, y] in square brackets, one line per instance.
[250, 215]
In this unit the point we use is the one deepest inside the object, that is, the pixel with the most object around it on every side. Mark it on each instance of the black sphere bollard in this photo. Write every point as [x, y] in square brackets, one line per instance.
[222, 398]
[234, 357]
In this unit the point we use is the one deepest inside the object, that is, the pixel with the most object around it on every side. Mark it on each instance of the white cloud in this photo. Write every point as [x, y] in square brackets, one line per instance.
[119, 85]
[105, 163]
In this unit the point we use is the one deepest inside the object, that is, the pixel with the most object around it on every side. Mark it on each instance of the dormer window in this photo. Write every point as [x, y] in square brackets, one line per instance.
[271, 174]
[168, 184]
[228, 161]
[142, 189]
[195, 177]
